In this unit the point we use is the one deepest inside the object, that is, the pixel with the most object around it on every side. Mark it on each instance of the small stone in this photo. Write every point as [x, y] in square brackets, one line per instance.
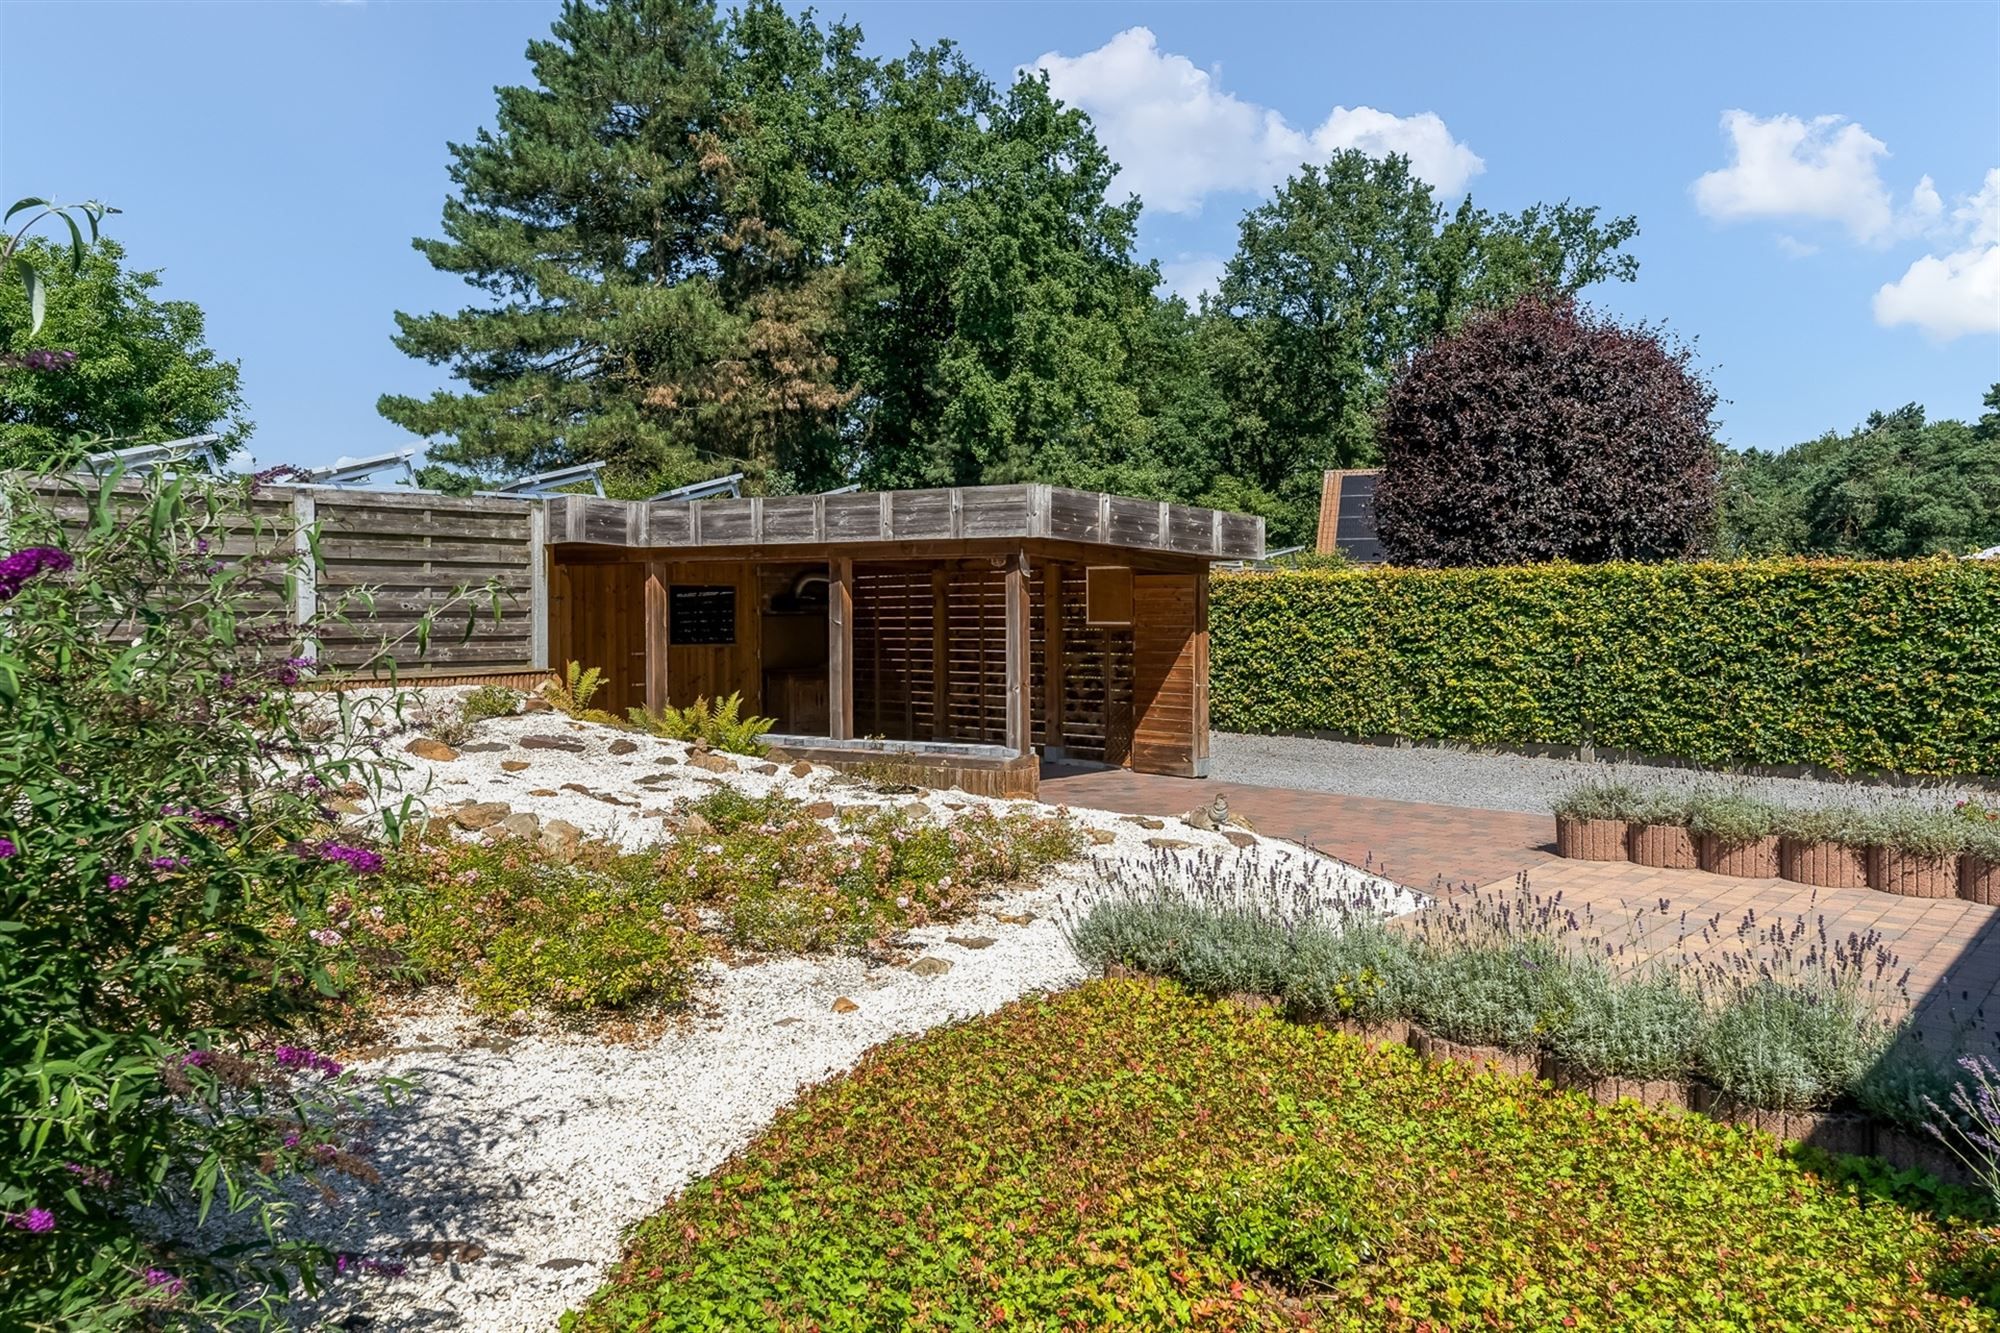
[843, 1005]
[1143, 821]
[485, 747]
[578, 788]
[802, 769]
[423, 747]
[537, 706]
[1238, 838]
[787, 1022]
[711, 763]
[696, 825]
[1168, 844]
[522, 824]
[513, 765]
[954, 805]
[345, 805]
[820, 810]
[623, 746]
[542, 791]
[928, 966]
[766, 769]
[481, 814]
[552, 743]
[1014, 918]
[916, 810]
[562, 1265]
[1103, 837]
[971, 941]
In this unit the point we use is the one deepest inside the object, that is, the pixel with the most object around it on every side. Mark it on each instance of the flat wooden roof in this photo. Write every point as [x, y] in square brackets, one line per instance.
[1032, 512]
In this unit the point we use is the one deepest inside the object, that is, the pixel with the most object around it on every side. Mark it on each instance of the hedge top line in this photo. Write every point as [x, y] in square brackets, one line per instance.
[1768, 566]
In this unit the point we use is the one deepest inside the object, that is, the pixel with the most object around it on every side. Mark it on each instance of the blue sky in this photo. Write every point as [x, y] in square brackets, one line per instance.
[275, 160]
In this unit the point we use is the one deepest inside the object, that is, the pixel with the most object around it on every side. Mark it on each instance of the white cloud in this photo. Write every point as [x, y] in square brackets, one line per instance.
[1946, 295]
[1956, 293]
[1190, 276]
[1179, 137]
[1824, 169]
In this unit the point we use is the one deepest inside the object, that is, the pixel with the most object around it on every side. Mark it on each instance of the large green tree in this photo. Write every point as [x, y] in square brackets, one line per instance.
[111, 362]
[705, 244]
[1898, 485]
[1349, 270]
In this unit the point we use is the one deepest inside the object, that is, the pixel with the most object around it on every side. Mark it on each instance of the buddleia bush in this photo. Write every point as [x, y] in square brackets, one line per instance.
[162, 838]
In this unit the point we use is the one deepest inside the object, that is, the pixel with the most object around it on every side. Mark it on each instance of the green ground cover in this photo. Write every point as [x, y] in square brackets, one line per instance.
[1127, 1155]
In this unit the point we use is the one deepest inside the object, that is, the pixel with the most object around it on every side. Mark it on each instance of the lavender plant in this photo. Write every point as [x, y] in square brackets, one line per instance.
[1970, 1125]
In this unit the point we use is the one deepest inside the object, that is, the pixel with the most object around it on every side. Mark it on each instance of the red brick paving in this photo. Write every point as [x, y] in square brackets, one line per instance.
[1951, 949]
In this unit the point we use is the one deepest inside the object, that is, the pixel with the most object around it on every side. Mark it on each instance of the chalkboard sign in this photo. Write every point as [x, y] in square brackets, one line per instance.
[701, 615]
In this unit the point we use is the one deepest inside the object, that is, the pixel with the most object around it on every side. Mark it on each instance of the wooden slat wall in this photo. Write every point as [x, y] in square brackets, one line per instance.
[895, 684]
[597, 616]
[1097, 680]
[1169, 674]
[412, 553]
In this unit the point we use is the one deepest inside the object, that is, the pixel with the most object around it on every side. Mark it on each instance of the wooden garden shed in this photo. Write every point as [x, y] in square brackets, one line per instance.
[965, 632]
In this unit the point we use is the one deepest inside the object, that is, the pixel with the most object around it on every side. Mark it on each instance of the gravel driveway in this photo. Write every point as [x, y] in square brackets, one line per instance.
[1489, 780]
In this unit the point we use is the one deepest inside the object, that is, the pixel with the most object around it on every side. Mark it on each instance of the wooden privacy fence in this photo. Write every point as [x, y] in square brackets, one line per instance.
[387, 558]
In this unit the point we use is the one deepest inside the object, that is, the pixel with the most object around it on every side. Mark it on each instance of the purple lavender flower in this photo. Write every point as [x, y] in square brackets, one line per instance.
[167, 862]
[7, 848]
[165, 1283]
[360, 860]
[35, 1219]
[115, 881]
[28, 563]
[304, 1058]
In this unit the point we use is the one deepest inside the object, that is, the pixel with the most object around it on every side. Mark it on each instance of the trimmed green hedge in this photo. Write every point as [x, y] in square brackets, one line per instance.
[1850, 665]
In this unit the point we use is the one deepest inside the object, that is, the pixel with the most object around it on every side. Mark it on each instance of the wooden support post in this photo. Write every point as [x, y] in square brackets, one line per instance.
[538, 583]
[657, 695]
[305, 573]
[940, 656]
[1019, 713]
[1052, 661]
[840, 648]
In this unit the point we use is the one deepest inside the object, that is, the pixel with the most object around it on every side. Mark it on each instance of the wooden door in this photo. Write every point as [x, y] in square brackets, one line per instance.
[1170, 675]
[603, 625]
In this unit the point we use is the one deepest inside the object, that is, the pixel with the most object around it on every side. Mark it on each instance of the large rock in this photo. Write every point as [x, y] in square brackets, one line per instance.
[1169, 844]
[711, 763]
[423, 747]
[481, 814]
[623, 745]
[560, 839]
[522, 824]
[512, 765]
[928, 966]
[802, 769]
[566, 743]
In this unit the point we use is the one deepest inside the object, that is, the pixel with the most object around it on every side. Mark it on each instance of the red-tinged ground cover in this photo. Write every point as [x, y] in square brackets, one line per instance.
[1126, 1155]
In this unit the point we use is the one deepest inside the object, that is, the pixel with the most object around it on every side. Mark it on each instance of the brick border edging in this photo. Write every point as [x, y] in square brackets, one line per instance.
[1848, 1133]
[1960, 877]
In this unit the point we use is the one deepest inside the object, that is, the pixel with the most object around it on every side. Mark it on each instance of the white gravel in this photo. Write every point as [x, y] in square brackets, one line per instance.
[541, 1150]
[1493, 780]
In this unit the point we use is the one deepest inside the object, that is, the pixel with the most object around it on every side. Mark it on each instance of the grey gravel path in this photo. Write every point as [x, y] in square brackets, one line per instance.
[1494, 781]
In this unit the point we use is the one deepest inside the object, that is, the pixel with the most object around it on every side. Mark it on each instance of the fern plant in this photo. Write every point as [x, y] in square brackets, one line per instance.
[719, 726]
[572, 694]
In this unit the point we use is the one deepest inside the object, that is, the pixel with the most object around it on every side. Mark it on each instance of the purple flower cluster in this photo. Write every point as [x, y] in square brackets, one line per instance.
[115, 881]
[360, 860]
[7, 848]
[165, 1283]
[27, 563]
[168, 863]
[303, 1058]
[50, 358]
[195, 1058]
[35, 1219]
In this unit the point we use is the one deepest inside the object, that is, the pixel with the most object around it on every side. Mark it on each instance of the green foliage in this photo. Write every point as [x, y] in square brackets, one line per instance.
[1895, 487]
[573, 692]
[517, 927]
[163, 838]
[1851, 666]
[1981, 829]
[17, 263]
[142, 372]
[1646, 1027]
[489, 701]
[783, 881]
[1352, 268]
[1732, 818]
[717, 726]
[1124, 1156]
